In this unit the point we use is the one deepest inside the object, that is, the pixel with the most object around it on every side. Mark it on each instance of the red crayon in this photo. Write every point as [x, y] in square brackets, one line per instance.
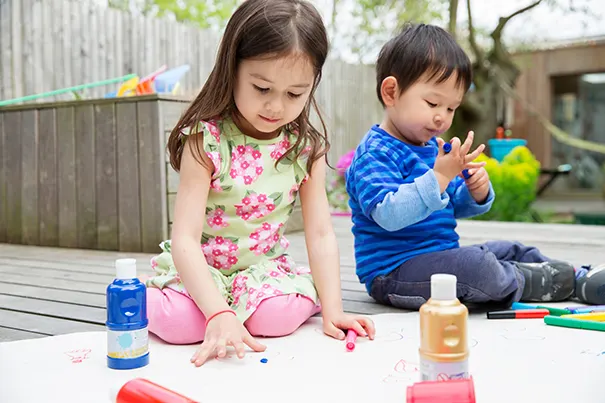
[519, 314]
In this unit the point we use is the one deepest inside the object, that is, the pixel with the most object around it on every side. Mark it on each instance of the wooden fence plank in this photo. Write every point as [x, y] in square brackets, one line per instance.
[6, 53]
[48, 190]
[85, 177]
[129, 211]
[66, 177]
[151, 164]
[3, 179]
[106, 177]
[12, 135]
[29, 178]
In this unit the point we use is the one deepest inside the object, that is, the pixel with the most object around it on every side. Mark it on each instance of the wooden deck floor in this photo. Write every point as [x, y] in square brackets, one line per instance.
[50, 291]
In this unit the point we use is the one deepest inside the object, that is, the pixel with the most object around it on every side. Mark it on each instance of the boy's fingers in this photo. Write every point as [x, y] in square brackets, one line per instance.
[467, 143]
[472, 156]
[455, 143]
[440, 143]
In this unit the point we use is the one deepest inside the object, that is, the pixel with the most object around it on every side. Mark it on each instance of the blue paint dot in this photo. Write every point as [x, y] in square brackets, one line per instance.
[264, 360]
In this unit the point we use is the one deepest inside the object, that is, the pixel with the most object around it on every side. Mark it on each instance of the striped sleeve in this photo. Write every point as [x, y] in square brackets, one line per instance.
[373, 177]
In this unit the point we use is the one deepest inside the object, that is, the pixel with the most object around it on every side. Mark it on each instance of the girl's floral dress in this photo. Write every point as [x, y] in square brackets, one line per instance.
[249, 203]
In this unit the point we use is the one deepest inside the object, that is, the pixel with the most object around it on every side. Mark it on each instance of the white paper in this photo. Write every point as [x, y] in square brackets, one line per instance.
[522, 360]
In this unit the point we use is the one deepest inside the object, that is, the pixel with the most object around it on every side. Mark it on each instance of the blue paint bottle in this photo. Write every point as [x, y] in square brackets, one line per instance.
[127, 335]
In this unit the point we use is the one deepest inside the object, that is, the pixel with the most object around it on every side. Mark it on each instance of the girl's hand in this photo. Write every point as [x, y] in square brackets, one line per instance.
[363, 326]
[222, 331]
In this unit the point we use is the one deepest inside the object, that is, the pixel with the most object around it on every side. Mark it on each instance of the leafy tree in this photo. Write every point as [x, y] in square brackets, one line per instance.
[493, 66]
[202, 13]
[374, 21]
[370, 23]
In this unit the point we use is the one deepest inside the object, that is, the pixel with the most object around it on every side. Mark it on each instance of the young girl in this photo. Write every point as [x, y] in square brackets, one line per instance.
[244, 149]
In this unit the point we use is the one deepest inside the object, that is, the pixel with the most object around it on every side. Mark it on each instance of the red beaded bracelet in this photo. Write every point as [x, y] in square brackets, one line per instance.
[218, 313]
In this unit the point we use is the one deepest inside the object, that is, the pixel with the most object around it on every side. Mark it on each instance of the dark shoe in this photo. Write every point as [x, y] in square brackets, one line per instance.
[548, 281]
[590, 285]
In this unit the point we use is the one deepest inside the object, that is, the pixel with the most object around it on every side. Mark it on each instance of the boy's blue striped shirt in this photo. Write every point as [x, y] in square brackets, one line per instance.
[398, 210]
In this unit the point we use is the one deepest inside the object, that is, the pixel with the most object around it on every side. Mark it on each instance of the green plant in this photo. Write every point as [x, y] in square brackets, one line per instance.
[514, 182]
[336, 187]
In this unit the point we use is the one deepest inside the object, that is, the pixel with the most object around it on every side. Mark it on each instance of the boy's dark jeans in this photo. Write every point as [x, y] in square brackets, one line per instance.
[486, 273]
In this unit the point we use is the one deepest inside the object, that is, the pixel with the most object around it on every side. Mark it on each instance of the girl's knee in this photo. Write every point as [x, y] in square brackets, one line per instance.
[174, 317]
[281, 315]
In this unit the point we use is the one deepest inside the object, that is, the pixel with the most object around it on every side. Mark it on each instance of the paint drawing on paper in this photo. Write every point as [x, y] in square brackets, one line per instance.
[404, 371]
[79, 355]
[520, 333]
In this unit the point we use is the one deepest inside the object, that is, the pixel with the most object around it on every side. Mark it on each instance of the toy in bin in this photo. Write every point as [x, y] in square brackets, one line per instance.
[451, 391]
[141, 390]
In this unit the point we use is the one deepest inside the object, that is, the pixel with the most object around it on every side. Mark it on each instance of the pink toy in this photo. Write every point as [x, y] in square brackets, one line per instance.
[452, 391]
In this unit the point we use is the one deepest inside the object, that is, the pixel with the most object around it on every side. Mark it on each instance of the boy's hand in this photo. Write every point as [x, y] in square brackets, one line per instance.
[478, 184]
[447, 166]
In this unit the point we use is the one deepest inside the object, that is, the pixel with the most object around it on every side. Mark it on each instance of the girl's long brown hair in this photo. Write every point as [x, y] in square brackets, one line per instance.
[260, 28]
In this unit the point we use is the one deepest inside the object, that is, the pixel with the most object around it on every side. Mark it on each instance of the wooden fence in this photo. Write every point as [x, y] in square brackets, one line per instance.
[87, 174]
[92, 173]
[53, 44]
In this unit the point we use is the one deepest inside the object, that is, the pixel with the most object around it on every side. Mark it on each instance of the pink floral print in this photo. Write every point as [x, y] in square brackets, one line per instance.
[221, 253]
[246, 164]
[238, 288]
[212, 128]
[293, 192]
[278, 149]
[283, 263]
[216, 218]
[257, 295]
[264, 238]
[257, 205]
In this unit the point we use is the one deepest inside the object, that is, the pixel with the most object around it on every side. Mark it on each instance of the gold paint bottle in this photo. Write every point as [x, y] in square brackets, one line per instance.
[444, 346]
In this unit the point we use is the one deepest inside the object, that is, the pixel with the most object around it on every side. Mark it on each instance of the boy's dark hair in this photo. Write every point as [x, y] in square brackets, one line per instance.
[260, 29]
[421, 49]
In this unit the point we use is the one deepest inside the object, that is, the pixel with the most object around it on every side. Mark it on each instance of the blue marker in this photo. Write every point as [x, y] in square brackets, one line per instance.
[586, 309]
[466, 174]
[520, 305]
[553, 311]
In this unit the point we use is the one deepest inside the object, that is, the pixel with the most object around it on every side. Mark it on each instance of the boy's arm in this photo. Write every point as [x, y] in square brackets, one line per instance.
[385, 197]
[464, 204]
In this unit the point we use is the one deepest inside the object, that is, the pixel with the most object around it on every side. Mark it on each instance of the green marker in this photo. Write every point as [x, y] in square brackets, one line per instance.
[553, 311]
[574, 323]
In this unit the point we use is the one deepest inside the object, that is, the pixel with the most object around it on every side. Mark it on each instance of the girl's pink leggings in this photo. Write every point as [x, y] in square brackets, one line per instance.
[176, 319]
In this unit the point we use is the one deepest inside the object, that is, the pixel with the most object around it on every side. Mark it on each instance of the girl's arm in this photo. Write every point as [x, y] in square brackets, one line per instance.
[189, 216]
[322, 247]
